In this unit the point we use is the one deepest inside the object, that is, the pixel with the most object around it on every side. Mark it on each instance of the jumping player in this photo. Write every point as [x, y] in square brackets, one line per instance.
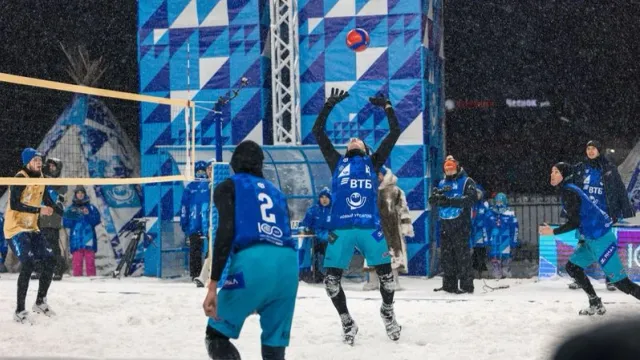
[355, 220]
[26, 241]
[599, 243]
[254, 230]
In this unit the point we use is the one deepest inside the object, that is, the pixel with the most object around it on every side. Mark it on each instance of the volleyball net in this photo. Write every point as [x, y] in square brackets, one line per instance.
[88, 138]
[79, 126]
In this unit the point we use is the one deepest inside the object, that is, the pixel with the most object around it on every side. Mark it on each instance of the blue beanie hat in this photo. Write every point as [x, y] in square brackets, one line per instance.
[201, 167]
[28, 154]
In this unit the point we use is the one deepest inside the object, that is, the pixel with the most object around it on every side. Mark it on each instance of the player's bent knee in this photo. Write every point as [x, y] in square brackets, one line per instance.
[625, 285]
[332, 285]
[573, 270]
[219, 347]
[386, 282]
[272, 353]
[383, 269]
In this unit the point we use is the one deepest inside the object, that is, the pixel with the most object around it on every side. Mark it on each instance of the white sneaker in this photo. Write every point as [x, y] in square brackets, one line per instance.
[43, 308]
[23, 317]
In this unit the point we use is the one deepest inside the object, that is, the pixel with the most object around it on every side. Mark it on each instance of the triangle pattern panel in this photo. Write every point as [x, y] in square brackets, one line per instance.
[420, 226]
[394, 65]
[243, 12]
[160, 82]
[419, 261]
[204, 8]
[414, 166]
[158, 17]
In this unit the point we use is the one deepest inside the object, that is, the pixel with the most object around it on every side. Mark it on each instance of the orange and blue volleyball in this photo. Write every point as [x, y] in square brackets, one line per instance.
[358, 39]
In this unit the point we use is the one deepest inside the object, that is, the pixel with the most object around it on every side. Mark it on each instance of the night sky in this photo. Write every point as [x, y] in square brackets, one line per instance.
[31, 31]
[579, 56]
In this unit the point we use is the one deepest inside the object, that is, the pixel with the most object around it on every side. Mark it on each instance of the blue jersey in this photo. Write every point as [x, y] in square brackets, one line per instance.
[354, 194]
[454, 188]
[194, 212]
[594, 223]
[478, 226]
[502, 229]
[594, 188]
[262, 214]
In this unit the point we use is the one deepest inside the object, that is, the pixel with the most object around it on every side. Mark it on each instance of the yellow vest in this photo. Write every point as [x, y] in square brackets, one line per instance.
[15, 221]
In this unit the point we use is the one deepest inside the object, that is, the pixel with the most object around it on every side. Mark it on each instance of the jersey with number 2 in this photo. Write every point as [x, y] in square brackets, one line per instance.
[261, 213]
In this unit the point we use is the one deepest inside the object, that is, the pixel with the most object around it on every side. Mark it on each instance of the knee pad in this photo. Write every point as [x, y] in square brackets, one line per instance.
[219, 347]
[385, 276]
[332, 285]
[387, 282]
[272, 353]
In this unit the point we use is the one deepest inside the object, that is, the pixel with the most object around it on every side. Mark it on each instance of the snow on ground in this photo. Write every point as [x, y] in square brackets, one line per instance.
[147, 318]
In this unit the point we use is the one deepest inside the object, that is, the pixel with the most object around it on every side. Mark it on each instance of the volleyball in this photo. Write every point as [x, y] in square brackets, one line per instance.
[358, 39]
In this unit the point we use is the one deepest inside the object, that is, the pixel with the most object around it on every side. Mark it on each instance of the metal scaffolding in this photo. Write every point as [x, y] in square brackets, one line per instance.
[285, 78]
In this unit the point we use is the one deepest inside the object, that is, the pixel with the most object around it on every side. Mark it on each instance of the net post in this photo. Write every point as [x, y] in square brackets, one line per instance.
[192, 166]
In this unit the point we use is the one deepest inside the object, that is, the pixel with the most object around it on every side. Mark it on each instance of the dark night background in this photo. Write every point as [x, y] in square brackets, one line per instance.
[579, 56]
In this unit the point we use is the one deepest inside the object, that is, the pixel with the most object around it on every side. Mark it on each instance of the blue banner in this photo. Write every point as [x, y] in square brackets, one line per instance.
[555, 251]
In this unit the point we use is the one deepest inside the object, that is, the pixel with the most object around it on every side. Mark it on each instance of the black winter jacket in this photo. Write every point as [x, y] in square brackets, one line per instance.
[618, 202]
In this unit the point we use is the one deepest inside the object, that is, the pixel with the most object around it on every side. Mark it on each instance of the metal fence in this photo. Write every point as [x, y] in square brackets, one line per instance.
[532, 211]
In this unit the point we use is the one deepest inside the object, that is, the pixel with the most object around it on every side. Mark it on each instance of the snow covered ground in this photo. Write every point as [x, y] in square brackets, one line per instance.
[162, 319]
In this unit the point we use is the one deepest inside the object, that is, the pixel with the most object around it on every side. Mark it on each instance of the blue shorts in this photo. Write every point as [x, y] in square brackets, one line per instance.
[262, 278]
[604, 251]
[369, 242]
[30, 246]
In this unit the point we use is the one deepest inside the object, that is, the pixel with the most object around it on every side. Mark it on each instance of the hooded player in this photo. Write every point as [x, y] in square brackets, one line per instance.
[315, 222]
[479, 237]
[598, 243]
[502, 227]
[601, 181]
[263, 272]
[455, 196]
[194, 216]
[355, 220]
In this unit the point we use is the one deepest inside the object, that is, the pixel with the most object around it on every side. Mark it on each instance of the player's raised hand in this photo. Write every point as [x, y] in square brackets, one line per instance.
[210, 304]
[336, 96]
[380, 101]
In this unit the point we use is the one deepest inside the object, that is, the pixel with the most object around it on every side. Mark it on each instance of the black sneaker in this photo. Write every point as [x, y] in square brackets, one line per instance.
[575, 286]
[57, 277]
[197, 282]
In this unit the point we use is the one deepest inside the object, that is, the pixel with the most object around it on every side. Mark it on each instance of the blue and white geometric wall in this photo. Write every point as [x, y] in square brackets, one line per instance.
[217, 42]
[403, 62]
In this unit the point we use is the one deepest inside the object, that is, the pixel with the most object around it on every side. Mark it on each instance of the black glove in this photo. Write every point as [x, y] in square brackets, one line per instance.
[380, 101]
[443, 200]
[337, 95]
[435, 194]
